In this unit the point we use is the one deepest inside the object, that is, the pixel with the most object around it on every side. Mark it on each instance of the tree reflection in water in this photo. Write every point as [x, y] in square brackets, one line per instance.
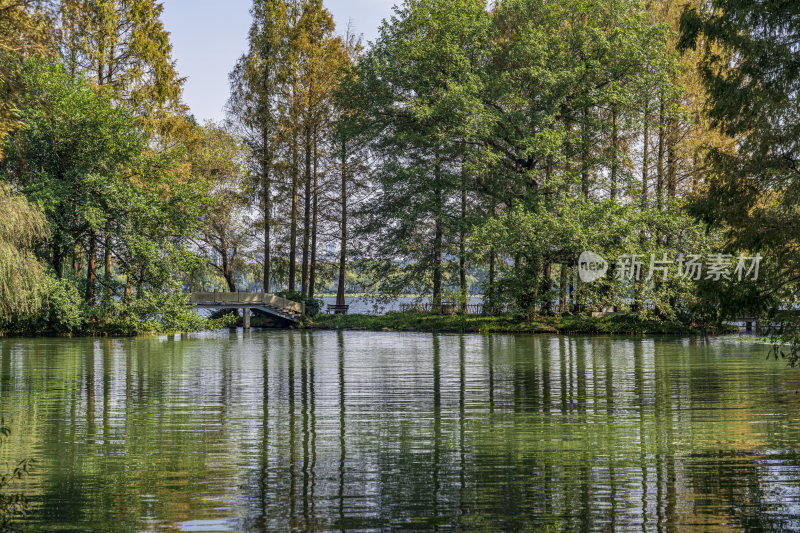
[349, 430]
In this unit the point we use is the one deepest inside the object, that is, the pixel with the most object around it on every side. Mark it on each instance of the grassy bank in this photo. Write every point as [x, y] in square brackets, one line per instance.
[621, 324]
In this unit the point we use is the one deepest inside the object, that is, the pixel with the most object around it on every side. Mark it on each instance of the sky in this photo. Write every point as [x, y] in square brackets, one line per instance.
[208, 36]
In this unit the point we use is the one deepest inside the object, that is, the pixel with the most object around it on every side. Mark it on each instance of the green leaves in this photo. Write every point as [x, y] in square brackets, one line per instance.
[22, 279]
[751, 72]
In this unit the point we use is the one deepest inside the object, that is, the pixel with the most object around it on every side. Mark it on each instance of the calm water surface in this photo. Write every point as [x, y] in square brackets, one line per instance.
[278, 431]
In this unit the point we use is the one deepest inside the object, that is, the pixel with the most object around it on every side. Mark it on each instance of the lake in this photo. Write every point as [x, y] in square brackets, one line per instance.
[332, 431]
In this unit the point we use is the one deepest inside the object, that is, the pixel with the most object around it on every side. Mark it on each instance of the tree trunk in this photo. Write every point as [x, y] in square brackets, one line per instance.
[343, 244]
[585, 153]
[645, 155]
[660, 155]
[293, 222]
[547, 288]
[267, 207]
[306, 214]
[462, 241]
[437, 239]
[491, 281]
[227, 272]
[312, 272]
[107, 265]
[91, 271]
[614, 148]
[58, 256]
[672, 163]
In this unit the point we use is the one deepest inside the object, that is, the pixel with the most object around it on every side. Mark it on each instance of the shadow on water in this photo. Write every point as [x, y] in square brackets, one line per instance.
[348, 430]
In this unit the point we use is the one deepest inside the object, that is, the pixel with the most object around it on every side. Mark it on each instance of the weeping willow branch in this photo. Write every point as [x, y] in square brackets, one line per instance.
[22, 278]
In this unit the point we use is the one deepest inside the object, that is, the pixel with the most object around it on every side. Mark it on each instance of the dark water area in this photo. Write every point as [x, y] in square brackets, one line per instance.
[339, 431]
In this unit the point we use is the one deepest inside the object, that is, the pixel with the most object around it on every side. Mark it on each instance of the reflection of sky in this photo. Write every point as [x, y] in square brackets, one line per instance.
[209, 36]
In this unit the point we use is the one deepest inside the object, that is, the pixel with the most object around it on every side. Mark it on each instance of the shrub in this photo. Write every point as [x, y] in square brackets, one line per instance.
[313, 305]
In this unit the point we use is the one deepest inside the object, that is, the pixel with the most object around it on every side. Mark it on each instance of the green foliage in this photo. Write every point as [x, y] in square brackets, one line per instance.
[85, 161]
[623, 324]
[122, 46]
[64, 311]
[22, 278]
[219, 161]
[72, 157]
[751, 76]
[312, 305]
[163, 311]
[557, 233]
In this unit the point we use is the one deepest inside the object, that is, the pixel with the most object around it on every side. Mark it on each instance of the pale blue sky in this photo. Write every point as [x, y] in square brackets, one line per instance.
[208, 36]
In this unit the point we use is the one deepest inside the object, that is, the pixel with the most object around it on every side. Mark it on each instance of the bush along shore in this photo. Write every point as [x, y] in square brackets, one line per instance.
[617, 324]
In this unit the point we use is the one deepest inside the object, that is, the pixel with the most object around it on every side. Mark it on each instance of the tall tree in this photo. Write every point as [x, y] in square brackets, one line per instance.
[256, 86]
[751, 71]
[418, 86]
[123, 45]
[349, 149]
[22, 33]
[320, 57]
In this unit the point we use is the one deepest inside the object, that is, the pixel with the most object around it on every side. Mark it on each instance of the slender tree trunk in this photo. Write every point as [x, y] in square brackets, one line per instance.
[437, 239]
[266, 204]
[462, 241]
[491, 281]
[312, 273]
[645, 154]
[227, 272]
[293, 222]
[343, 244]
[58, 256]
[576, 306]
[306, 213]
[91, 272]
[585, 153]
[660, 155]
[547, 288]
[107, 264]
[614, 148]
[562, 305]
[672, 163]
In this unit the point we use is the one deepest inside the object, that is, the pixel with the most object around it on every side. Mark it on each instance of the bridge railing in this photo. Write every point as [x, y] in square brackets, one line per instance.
[244, 298]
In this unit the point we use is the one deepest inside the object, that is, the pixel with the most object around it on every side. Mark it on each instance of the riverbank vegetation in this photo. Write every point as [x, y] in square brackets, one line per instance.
[468, 149]
[619, 324]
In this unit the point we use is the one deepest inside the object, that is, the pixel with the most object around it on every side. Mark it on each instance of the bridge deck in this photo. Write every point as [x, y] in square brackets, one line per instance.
[268, 303]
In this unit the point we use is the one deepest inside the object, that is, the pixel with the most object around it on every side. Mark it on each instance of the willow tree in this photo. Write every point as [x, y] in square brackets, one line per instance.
[22, 278]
